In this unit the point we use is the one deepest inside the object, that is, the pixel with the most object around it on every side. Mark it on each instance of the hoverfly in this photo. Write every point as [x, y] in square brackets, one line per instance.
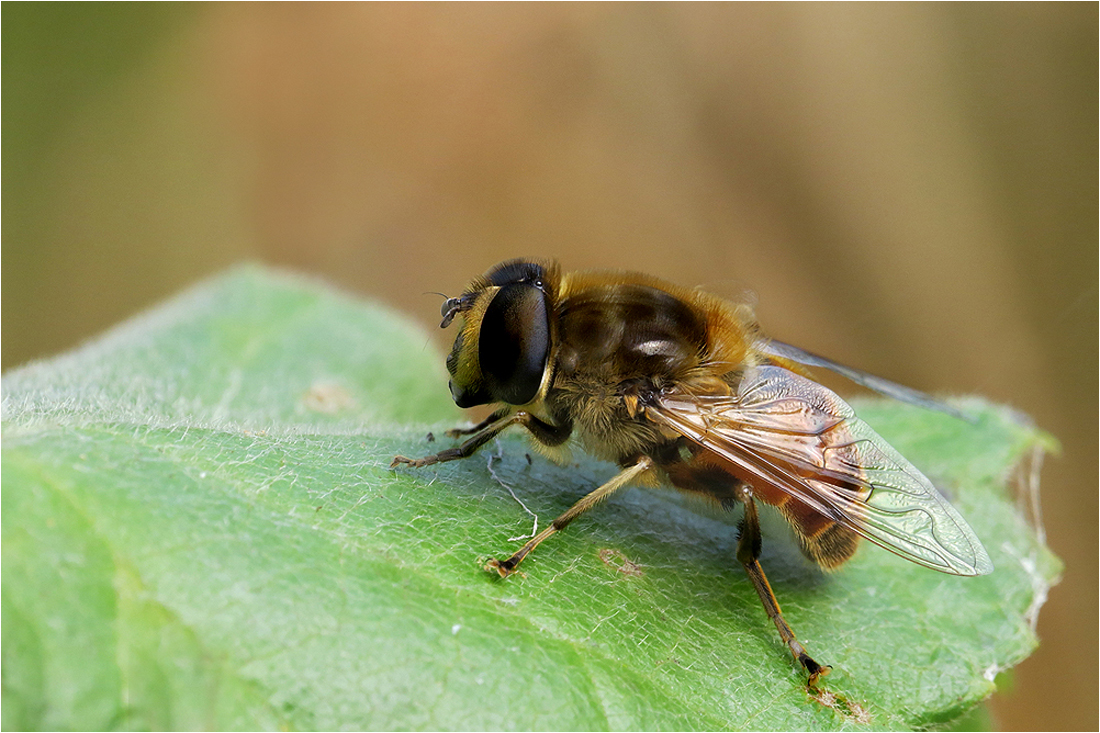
[679, 387]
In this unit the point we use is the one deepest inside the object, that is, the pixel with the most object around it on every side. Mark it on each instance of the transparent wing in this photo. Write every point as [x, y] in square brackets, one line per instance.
[870, 381]
[803, 439]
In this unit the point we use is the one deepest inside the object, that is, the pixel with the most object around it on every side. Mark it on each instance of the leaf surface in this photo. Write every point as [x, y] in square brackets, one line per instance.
[200, 530]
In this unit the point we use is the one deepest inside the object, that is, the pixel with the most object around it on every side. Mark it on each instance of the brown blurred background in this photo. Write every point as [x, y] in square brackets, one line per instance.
[910, 189]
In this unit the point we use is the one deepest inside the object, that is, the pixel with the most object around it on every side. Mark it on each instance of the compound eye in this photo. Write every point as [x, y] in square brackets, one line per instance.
[514, 343]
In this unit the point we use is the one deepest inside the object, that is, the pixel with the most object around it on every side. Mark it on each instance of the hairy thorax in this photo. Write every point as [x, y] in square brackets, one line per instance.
[619, 346]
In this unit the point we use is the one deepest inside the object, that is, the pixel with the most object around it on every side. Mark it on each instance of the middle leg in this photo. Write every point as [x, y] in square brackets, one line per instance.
[507, 567]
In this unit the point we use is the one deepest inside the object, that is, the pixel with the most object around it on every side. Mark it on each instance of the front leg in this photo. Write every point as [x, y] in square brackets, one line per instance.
[459, 432]
[543, 431]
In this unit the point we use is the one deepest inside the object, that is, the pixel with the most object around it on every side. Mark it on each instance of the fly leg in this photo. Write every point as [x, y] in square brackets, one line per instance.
[458, 432]
[488, 429]
[748, 552]
[507, 567]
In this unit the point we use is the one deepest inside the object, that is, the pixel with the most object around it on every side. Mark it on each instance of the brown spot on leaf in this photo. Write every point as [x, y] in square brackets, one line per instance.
[621, 563]
[850, 710]
[328, 398]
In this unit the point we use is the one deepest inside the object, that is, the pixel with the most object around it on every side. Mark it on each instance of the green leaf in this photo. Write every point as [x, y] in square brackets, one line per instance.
[200, 530]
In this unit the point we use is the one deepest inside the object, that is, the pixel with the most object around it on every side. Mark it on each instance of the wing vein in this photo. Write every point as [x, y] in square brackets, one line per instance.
[801, 438]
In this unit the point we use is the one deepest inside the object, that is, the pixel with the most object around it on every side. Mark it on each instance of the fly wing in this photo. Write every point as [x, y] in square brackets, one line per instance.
[803, 439]
[870, 381]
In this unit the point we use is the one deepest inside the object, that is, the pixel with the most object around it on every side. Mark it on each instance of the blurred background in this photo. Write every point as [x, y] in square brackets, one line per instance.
[909, 189]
